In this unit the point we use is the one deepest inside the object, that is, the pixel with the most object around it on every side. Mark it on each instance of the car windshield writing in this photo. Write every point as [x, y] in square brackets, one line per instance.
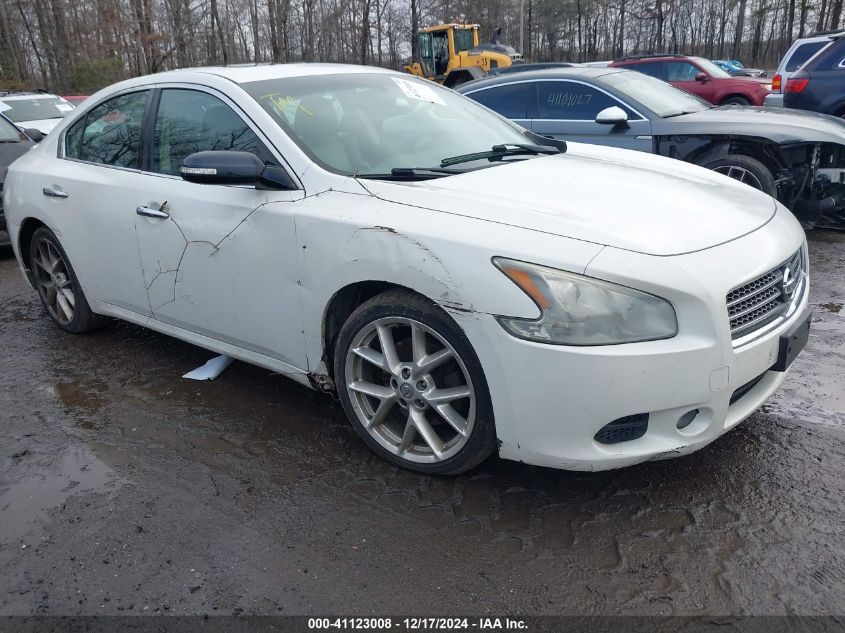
[659, 97]
[366, 123]
[36, 109]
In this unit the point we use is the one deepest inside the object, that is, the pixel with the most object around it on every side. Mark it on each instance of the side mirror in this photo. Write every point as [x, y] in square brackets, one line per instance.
[34, 134]
[233, 168]
[702, 77]
[614, 115]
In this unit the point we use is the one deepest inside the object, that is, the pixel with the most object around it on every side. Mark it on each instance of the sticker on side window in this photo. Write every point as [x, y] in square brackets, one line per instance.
[418, 90]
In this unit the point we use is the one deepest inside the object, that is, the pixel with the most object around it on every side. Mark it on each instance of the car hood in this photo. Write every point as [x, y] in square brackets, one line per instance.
[742, 79]
[45, 125]
[780, 125]
[625, 199]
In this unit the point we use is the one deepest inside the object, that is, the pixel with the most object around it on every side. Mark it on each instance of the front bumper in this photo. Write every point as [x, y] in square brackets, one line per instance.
[550, 401]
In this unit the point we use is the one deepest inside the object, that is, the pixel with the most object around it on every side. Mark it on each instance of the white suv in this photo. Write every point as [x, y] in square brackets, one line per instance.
[797, 55]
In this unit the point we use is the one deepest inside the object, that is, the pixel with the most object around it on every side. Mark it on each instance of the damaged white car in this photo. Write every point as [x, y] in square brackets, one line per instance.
[464, 285]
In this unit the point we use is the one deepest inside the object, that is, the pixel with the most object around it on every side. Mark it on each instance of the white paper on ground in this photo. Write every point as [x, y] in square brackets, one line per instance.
[211, 369]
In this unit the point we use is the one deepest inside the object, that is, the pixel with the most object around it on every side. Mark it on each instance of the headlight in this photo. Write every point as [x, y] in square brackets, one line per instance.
[579, 310]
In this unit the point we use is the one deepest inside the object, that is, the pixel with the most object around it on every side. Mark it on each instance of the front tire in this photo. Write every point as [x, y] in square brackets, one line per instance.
[736, 100]
[58, 286]
[744, 169]
[412, 386]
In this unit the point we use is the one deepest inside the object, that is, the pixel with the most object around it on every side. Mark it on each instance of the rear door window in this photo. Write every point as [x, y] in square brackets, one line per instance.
[652, 69]
[110, 134]
[681, 71]
[509, 100]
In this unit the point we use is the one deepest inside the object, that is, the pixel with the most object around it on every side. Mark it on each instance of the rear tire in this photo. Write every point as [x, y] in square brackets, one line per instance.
[412, 386]
[58, 286]
[745, 169]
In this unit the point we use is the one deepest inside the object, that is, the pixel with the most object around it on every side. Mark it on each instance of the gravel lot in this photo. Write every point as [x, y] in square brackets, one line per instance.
[125, 489]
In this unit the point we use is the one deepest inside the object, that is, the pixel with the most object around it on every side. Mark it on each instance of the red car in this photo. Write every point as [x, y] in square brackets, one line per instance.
[75, 99]
[700, 77]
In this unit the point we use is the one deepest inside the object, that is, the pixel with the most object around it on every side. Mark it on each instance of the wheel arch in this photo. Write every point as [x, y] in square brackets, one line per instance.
[762, 149]
[732, 95]
[343, 303]
[24, 240]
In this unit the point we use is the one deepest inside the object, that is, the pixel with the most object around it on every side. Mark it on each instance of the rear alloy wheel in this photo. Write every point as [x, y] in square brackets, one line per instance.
[58, 286]
[412, 386]
[746, 170]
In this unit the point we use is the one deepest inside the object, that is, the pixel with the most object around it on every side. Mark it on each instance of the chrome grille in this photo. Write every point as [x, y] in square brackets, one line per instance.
[764, 299]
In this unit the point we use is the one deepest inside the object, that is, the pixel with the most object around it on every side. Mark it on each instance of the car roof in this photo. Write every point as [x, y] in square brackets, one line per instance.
[246, 73]
[578, 72]
[818, 37]
[652, 58]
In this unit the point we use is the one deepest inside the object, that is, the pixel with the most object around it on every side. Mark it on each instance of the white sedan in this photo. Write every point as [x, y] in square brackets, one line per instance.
[464, 285]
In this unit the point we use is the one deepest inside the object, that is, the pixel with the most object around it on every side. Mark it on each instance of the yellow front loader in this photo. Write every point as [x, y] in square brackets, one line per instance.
[450, 54]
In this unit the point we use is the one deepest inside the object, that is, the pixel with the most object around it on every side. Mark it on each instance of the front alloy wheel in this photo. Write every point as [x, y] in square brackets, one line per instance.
[745, 169]
[412, 386]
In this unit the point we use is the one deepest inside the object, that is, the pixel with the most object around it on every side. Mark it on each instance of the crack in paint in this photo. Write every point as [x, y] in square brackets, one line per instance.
[177, 270]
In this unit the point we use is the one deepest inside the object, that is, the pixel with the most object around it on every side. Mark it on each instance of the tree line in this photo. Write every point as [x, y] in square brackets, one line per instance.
[78, 46]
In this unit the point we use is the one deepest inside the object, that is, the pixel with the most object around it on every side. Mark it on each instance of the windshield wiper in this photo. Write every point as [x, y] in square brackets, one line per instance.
[411, 173]
[498, 152]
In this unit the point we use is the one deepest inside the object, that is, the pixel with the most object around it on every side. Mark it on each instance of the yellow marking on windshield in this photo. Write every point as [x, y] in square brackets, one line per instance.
[280, 102]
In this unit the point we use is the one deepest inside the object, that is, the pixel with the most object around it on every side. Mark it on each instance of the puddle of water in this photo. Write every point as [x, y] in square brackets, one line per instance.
[836, 308]
[30, 498]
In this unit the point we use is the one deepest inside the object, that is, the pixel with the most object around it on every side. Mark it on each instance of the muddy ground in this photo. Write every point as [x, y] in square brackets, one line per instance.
[126, 489]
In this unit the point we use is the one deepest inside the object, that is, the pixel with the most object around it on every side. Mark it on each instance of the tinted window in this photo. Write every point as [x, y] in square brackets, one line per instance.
[509, 101]
[110, 134]
[189, 121]
[802, 54]
[573, 101]
[681, 71]
[653, 69]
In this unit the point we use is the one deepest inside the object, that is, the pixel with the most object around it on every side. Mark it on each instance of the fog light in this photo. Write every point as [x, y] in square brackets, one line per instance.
[631, 427]
[687, 418]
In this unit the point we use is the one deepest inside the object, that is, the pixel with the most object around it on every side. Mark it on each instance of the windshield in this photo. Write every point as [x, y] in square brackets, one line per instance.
[36, 108]
[661, 98]
[364, 124]
[711, 69]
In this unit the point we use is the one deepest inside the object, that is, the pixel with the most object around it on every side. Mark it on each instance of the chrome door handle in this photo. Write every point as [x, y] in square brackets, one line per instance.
[53, 192]
[152, 213]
